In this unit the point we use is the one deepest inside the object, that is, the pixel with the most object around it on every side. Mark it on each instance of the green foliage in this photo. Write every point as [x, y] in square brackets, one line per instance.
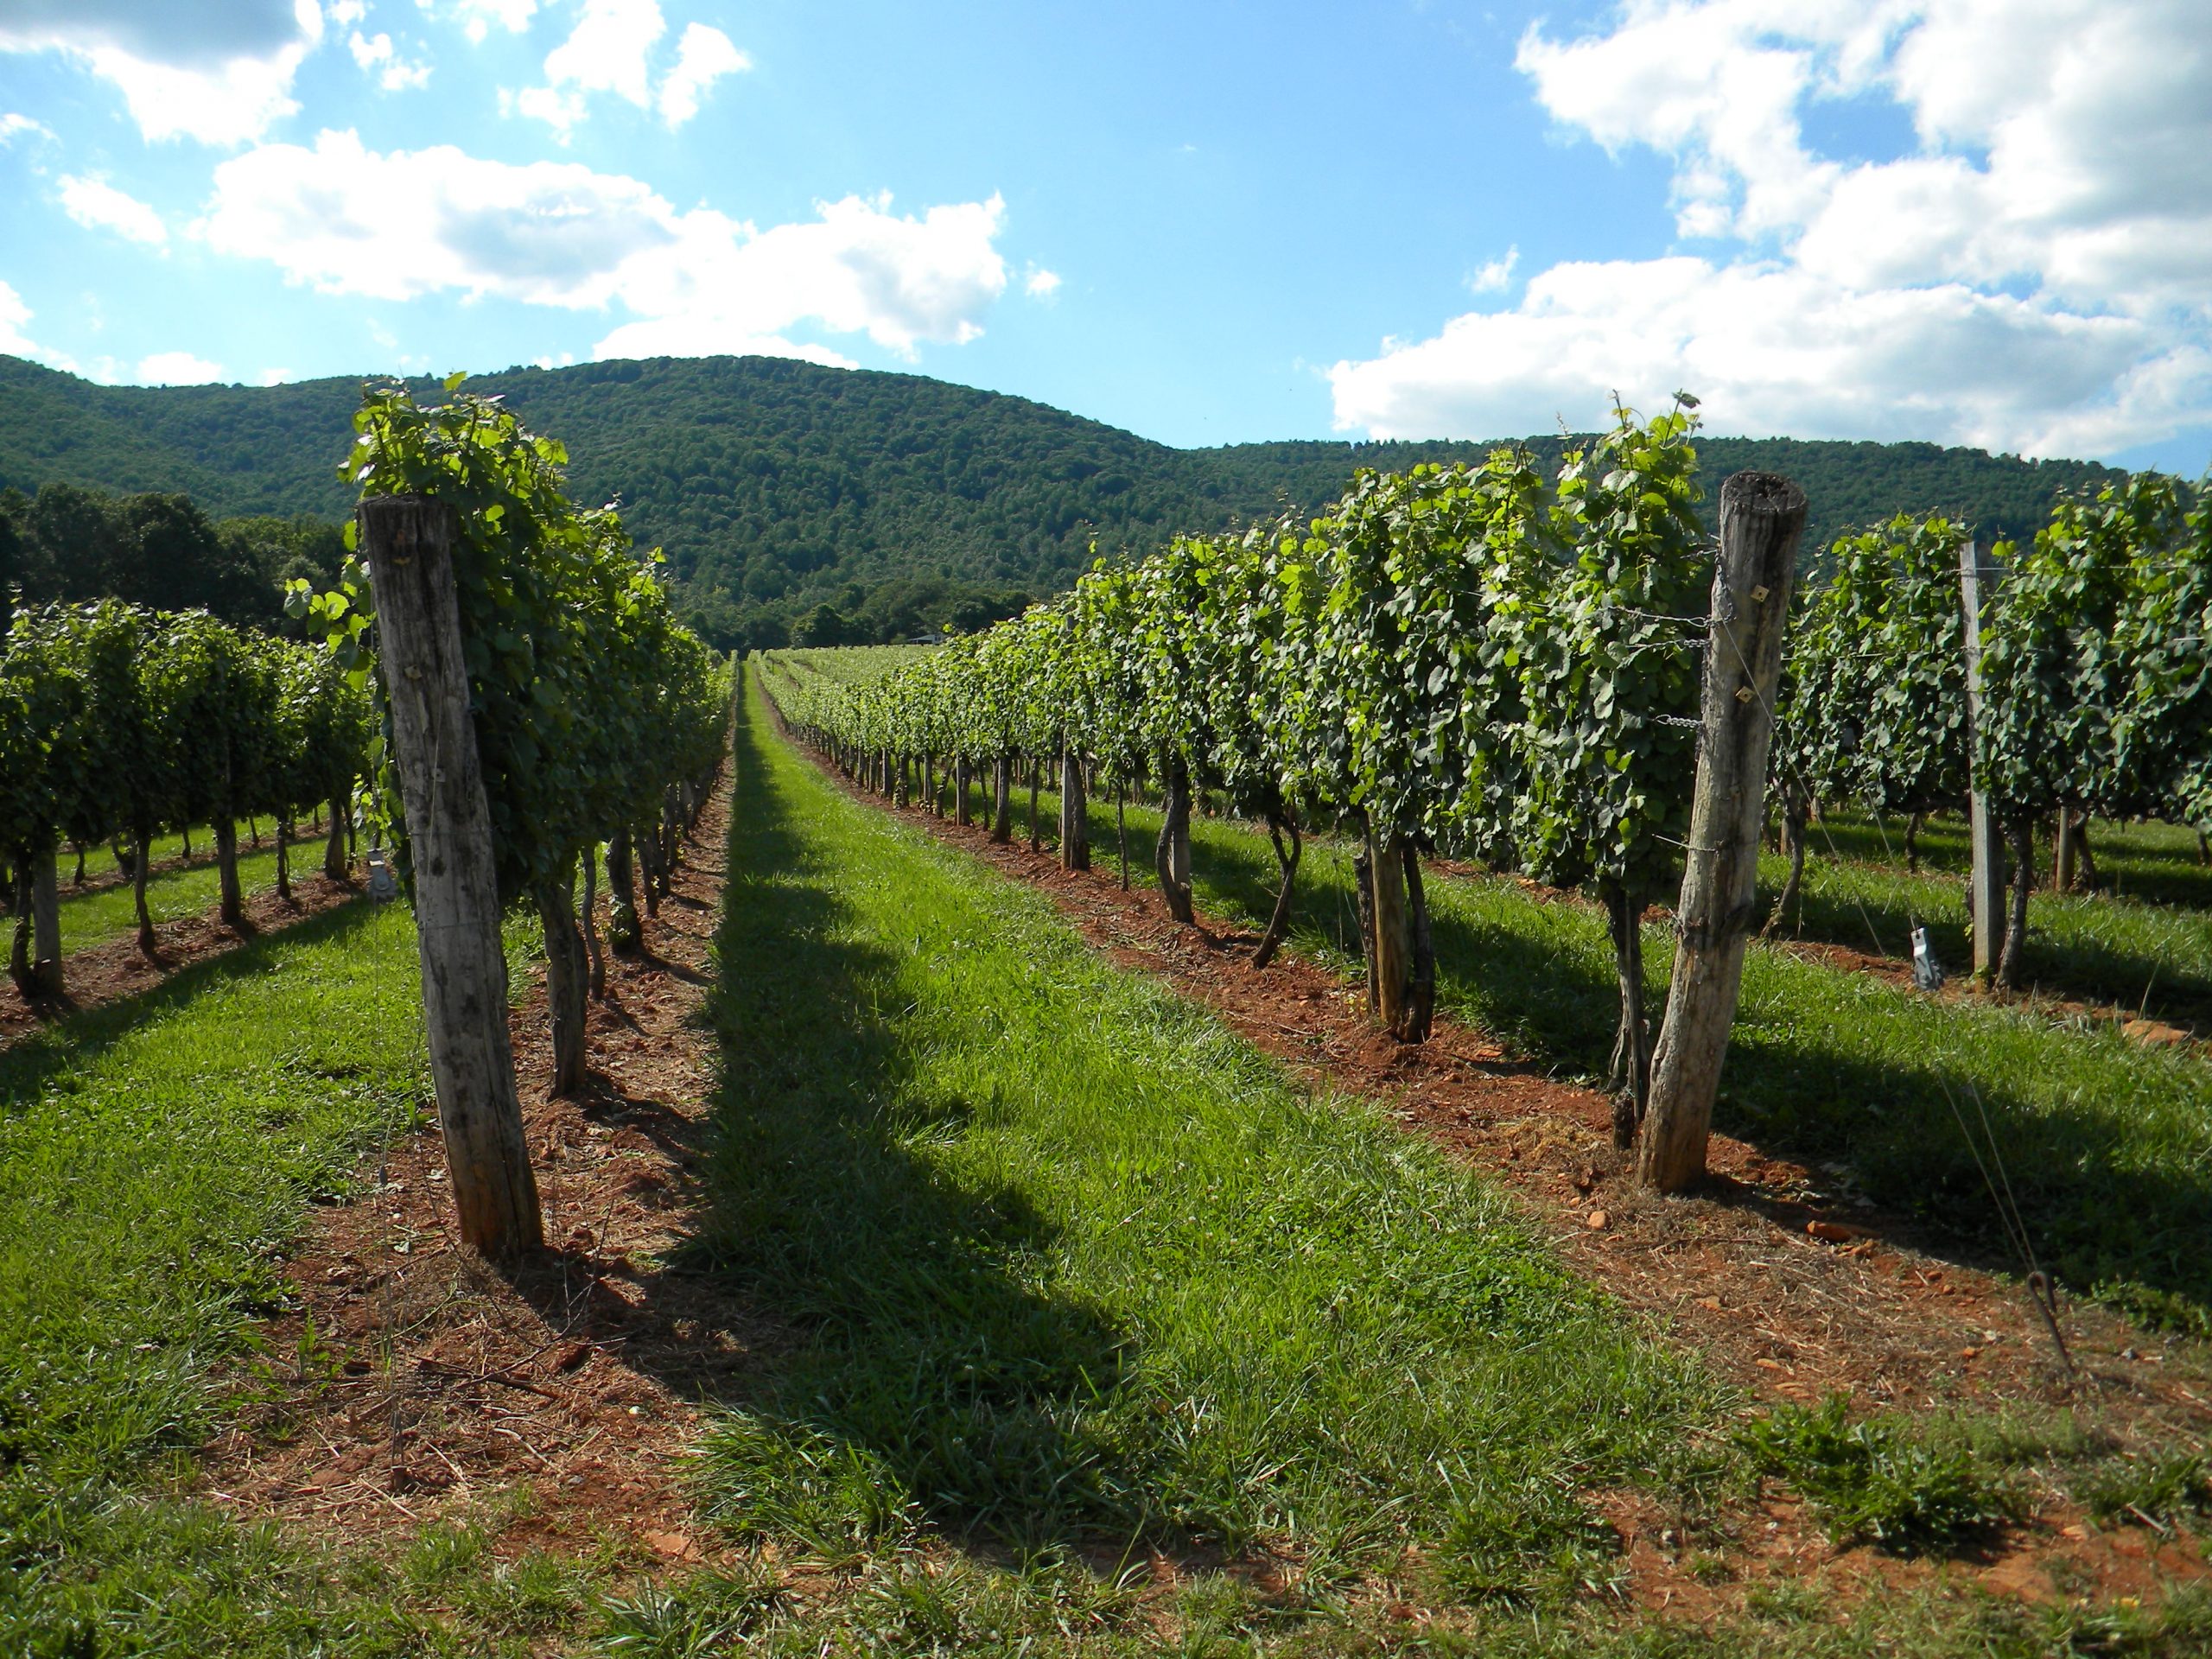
[1877, 1478]
[72, 543]
[1874, 699]
[589, 701]
[118, 720]
[1456, 653]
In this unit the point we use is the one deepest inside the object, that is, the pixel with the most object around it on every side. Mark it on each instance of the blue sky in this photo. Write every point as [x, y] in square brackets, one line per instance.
[1208, 222]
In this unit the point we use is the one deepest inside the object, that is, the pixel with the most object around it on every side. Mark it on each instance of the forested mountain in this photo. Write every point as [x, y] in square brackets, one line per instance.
[853, 504]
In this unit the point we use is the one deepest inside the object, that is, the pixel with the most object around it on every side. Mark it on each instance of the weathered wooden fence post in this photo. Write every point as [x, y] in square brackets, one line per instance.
[45, 925]
[407, 543]
[1075, 814]
[1761, 518]
[1986, 836]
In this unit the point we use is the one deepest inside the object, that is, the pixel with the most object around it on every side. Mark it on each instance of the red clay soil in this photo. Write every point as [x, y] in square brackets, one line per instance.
[116, 968]
[412, 1381]
[1777, 1283]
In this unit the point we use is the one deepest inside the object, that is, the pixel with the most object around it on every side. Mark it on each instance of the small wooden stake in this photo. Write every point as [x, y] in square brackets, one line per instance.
[1978, 577]
[1762, 517]
[407, 543]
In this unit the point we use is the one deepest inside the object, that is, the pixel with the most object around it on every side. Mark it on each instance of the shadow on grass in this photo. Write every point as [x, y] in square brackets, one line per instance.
[2118, 1200]
[921, 1373]
[2080, 965]
[78, 1038]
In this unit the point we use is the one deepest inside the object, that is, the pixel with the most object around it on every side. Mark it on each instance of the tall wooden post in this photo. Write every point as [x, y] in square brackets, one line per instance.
[45, 925]
[1075, 814]
[1762, 517]
[1977, 576]
[407, 543]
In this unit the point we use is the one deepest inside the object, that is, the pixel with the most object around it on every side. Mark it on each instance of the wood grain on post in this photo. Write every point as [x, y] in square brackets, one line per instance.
[45, 925]
[1390, 951]
[407, 543]
[1075, 814]
[1985, 837]
[1761, 518]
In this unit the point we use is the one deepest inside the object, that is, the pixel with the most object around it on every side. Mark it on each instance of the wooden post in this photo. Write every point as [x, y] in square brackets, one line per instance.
[963, 777]
[1075, 814]
[407, 543]
[1977, 575]
[1761, 518]
[231, 907]
[45, 925]
[334, 851]
[1171, 857]
[1390, 951]
[1002, 799]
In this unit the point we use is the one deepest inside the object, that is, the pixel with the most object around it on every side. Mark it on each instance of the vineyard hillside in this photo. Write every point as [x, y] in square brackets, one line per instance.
[781, 487]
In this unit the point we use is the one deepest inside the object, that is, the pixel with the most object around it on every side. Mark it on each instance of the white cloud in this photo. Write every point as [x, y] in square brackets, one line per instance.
[343, 14]
[352, 220]
[702, 57]
[611, 50]
[220, 74]
[477, 17]
[273, 376]
[177, 369]
[13, 126]
[99, 205]
[1494, 274]
[1041, 284]
[1770, 348]
[394, 74]
[608, 52]
[2030, 275]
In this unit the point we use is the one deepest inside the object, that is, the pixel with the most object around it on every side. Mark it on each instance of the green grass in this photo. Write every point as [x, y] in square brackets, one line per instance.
[2106, 1144]
[1068, 1271]
[2144, 944]
[154, 1153]
[1073, 1265]
[95, 915]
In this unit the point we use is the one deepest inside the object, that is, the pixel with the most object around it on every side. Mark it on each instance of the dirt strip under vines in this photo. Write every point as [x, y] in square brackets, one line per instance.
[412, 1382]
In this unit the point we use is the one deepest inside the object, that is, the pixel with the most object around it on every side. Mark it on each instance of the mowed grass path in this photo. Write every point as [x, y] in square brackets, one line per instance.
[1073, 1265]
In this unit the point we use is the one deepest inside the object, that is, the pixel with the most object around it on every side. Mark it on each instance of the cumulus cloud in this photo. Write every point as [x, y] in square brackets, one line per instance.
[13, 126]
[1039, 283]
[2029, 275]
[349, 220]
[220, 74]
[702, 57]
[99, 205]
[377, 54]
[611, 50]
[177, 369]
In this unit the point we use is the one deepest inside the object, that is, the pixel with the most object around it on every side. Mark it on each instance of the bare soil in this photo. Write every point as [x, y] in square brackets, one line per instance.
[412, 1382]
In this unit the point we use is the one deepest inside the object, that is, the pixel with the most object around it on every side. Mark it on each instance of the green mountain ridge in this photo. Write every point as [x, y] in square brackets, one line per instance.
[777, 488]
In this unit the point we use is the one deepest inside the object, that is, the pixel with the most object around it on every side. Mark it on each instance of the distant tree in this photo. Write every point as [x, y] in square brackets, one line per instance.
[826, 624]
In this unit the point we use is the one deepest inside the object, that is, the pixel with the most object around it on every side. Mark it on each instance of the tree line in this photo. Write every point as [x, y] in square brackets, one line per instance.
[69, 544]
